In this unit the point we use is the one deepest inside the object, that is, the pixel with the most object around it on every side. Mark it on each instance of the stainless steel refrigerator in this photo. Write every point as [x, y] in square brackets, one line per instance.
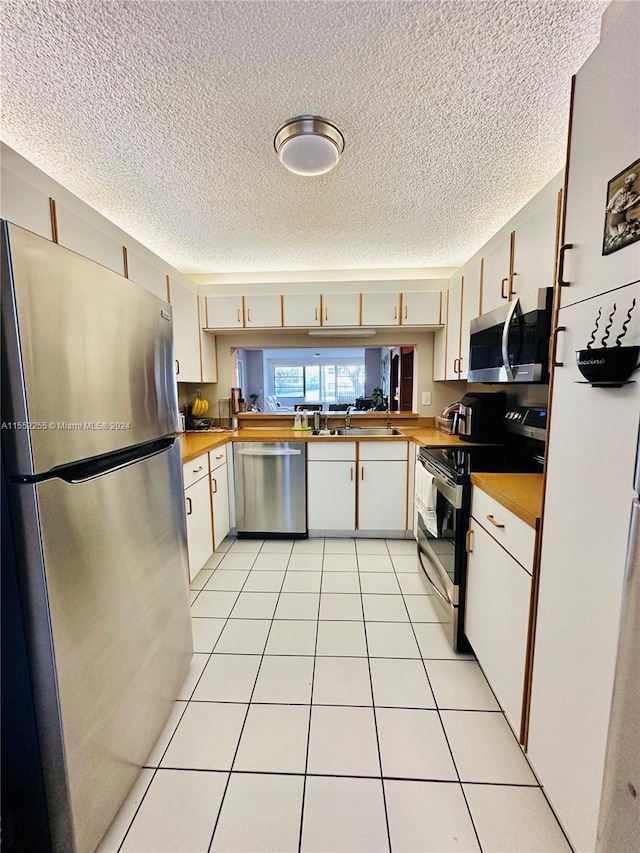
[619, 824]
[97, 578]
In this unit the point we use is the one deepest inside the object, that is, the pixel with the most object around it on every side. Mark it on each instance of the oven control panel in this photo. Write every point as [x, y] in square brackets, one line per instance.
[527, 421]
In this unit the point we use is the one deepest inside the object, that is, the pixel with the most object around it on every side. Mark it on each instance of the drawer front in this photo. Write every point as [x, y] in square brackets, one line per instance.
[392, 450]
[333, 451]
[217, 457]
[195, 470]
[506, 528]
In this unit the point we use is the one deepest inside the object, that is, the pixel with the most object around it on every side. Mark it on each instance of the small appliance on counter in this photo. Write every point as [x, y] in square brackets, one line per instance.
[481, 416]
[447, 420]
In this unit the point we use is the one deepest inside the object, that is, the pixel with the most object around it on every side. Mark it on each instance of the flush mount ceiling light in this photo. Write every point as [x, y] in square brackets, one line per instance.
[309, 145]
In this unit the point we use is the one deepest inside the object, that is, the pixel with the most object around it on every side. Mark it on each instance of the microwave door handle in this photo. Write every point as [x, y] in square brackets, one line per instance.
[505, 339]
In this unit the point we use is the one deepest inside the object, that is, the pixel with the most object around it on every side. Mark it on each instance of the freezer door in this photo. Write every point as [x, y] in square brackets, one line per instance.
[113, 647]
[87, 357]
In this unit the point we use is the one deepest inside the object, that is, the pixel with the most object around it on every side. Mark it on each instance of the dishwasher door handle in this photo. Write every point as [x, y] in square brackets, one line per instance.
[278, 452]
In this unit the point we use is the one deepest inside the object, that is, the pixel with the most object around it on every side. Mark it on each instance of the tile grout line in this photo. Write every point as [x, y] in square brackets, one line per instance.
[188, 700]
[157, 767]
[235, 753]
[444, 731]
[373, 708]
[313, 678]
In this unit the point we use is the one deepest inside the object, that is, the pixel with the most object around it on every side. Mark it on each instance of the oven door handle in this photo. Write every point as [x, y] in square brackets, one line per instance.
[505, 339]
[444, 595]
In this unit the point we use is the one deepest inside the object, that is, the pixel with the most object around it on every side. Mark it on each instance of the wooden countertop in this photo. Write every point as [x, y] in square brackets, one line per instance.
[519, 493]
[195, 443]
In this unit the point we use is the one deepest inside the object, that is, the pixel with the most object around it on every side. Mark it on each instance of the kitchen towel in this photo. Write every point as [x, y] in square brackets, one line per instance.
[424, 499]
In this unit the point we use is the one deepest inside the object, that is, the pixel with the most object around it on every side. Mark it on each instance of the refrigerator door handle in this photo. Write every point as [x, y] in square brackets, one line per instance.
[91, 469]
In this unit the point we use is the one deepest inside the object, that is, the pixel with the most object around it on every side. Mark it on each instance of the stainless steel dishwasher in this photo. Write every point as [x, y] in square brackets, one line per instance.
[271, 488]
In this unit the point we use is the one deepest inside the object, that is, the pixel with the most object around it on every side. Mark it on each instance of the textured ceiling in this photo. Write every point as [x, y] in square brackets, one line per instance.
[162, 114]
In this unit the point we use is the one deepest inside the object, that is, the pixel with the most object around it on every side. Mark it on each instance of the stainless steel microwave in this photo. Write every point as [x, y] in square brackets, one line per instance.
[511, 343]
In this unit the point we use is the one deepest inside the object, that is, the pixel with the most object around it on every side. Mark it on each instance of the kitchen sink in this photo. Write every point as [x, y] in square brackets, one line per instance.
[356, 432]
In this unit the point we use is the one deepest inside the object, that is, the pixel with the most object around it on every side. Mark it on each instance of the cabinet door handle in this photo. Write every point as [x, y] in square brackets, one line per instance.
[195, 470]
[468, 540]
[563, 250]
[362, 473]
[511, 291]
[315, 313]
[460, 365]
[214, 484]
[190, 510]
[326, 313]
[220, 456]
[177, 367]
[554, 345]
[405, 312]
[351, 474]
[395, 312]
[494, 522]
[455, 363]
[238, 316]
[248, 315]
[502, 284]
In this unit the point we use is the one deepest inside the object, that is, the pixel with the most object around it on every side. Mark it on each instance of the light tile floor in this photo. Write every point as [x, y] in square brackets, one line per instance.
[324, 711]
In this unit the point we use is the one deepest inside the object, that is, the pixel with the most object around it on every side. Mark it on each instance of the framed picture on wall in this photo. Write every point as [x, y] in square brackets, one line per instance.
[622, 213]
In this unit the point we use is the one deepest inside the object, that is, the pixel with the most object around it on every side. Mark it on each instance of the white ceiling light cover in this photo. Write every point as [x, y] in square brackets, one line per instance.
[309, 145]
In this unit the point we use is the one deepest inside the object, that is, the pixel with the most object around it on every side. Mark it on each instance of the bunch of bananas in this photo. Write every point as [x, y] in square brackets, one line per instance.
[200, 406]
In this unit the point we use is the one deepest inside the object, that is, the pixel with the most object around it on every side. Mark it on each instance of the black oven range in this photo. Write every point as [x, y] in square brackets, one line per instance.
[443, 503]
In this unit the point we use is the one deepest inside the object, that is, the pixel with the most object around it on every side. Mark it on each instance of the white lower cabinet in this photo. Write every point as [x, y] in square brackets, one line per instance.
[382, 496]
[331, 501]
[501, 550]
[219, 495]
[197, 498]
[382, 485]
[347, 495]
[497, 619]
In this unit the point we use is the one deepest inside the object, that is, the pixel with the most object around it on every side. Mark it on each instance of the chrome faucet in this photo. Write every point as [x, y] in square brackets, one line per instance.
[347, 420]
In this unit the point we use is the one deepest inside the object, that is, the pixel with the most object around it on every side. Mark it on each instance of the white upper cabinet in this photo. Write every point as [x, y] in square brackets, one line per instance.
[497, 266]
[380, 309]
[208, 351]
[604, 142]
[224, 312]
[534, 256]
[340, 309]
[238, 312]
[470, 310]
[84, 238]
[421, 308]
[301, 309]
[186, 332]
[149, 276]
[24, 205]
[454, 318]
[262, 312]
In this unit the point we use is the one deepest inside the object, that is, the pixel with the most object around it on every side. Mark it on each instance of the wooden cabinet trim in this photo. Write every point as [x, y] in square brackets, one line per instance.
[54, 220]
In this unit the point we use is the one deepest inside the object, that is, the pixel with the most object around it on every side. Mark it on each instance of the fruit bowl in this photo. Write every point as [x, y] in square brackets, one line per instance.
[607, 364]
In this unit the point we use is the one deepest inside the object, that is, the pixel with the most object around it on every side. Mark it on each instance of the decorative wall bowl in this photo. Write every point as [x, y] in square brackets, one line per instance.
[607, 364]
